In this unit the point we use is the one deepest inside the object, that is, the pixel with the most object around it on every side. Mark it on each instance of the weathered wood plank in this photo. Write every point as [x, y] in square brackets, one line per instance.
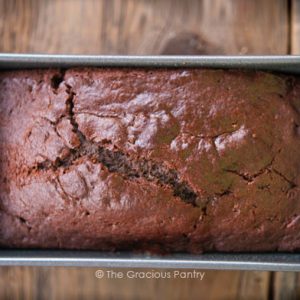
[81, 283]
[144, 27]
[253, 285]
[295, 27]
[286, 286]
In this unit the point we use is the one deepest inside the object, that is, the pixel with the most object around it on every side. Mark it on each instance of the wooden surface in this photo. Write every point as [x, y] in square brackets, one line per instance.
[286, 286]
[295, 27]
[148, 27]
[76, 283]
[144, 27]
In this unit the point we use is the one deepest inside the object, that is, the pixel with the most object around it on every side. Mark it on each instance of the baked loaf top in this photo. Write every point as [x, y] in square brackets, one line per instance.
[160, 160]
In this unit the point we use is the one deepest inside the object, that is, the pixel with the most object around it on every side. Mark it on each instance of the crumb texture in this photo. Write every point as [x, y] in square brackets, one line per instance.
[155, 160]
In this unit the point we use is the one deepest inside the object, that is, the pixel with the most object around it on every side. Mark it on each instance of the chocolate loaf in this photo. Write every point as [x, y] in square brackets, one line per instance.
[159, 160]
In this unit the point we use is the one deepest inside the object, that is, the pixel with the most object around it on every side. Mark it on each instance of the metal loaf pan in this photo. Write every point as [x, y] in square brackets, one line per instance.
[234, 261]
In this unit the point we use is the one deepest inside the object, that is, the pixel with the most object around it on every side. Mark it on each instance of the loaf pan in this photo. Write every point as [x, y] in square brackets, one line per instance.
[229, 261]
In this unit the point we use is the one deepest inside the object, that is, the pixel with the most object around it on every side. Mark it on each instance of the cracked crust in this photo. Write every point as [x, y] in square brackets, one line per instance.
[152, 160]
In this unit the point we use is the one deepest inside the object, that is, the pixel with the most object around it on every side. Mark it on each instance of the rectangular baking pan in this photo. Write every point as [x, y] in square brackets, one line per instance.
[229, 261]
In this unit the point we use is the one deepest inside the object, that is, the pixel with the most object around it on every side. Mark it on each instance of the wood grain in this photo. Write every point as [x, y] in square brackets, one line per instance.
[286, 286]
[81, 283]
[144, 26]
[254, 285]
[295, 27]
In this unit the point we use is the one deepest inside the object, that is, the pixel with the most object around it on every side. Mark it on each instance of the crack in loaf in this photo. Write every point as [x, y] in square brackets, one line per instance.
[117, 161]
